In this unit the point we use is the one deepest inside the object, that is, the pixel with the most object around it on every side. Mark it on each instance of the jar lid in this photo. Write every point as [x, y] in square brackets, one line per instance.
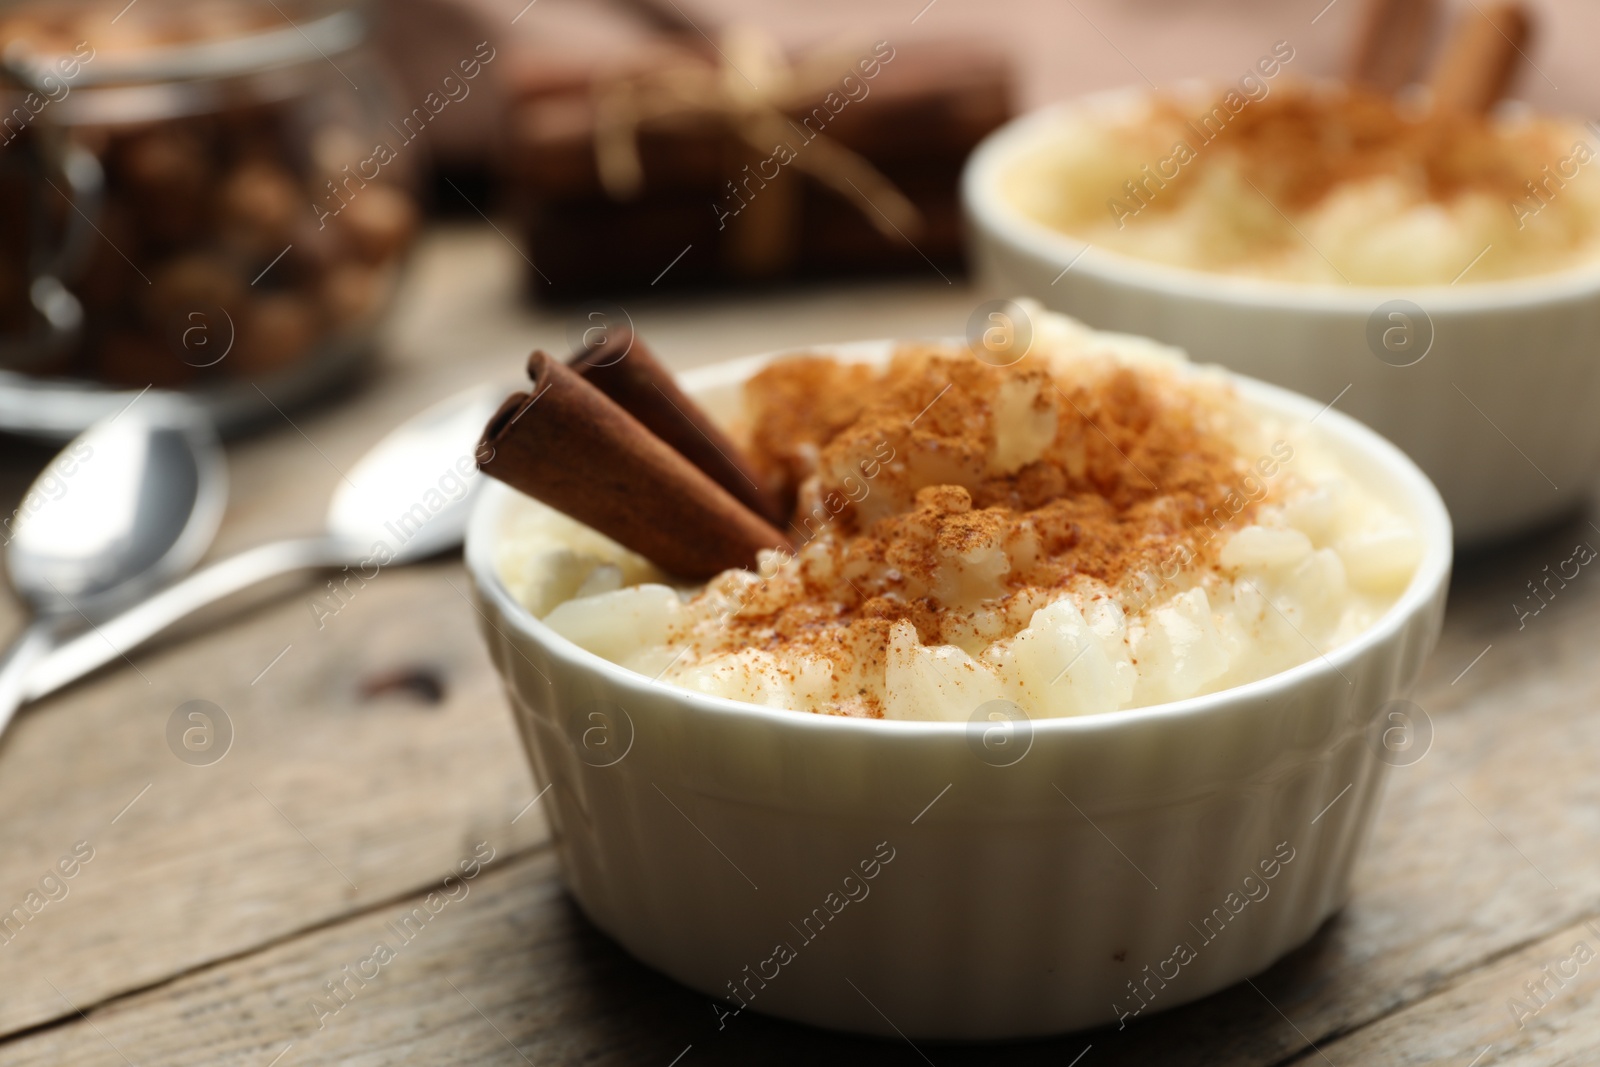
[158, 41]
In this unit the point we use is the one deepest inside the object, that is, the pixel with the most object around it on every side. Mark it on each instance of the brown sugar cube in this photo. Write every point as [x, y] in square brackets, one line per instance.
[137, 359]
[108, 277]
[277, 330]
[333, 146]
[39, 32]
[16, 312]
[259, 205]
[166, 160]
[200, 281]
[166, 173]
[191, 307]
[214, 20]
[19, 319]
[256, 135]
[378, 220]
[351, 292]
[316, 250]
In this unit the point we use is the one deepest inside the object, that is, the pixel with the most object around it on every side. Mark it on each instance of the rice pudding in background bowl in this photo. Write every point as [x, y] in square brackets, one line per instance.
[897, 761]
[1438, 275]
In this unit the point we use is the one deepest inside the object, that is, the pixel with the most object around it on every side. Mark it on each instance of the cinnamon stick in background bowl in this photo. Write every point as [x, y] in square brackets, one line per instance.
[624, 368]
[1392, 38]
[569, 445]
[1480, 59]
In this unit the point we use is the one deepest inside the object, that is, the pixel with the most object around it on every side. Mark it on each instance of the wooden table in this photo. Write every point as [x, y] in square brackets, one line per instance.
[220, 900]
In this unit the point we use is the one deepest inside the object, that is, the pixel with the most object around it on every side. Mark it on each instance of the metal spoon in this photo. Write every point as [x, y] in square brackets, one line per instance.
[405, 500]
[130, 504]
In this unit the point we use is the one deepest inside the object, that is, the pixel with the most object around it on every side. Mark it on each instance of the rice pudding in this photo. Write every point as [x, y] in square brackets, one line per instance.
[1323, 183]
[1098, 526]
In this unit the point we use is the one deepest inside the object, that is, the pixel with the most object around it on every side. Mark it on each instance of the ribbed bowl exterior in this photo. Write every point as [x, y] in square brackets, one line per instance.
[888, 877]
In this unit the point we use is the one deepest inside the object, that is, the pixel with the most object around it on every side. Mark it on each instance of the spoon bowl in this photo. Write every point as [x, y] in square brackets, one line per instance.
[128, 505]
[412, 492]
[408, 498]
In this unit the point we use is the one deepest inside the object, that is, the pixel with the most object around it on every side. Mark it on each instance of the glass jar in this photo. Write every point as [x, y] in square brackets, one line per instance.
[209, 213]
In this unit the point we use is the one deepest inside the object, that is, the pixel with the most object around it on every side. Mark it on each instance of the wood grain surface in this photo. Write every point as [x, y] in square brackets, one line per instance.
[221, 899]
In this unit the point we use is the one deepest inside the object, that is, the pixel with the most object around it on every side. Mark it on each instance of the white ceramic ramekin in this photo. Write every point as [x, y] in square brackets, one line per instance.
[730, 845]
[1499, 411]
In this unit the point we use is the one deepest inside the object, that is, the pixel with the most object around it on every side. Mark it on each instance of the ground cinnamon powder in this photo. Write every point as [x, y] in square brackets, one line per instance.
[962, 497]
[1301, 143]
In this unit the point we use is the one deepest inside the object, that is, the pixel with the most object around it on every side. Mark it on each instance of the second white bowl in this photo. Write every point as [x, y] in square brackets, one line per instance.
[1498, 408]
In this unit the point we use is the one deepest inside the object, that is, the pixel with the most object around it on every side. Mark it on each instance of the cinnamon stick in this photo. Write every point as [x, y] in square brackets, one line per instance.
[623, 368]
[569, 445]
[1390, 42]
[1480, 59]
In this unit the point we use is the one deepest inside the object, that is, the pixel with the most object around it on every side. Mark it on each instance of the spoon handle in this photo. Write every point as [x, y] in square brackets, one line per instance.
[120, 635]
[17, 666]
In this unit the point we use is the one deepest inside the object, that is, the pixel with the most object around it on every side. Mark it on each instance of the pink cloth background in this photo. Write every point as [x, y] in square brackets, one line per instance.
[1067, 47]
[1062, 47]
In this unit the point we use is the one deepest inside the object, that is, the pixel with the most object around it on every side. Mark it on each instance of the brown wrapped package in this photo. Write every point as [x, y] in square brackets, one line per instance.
[688, 173]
